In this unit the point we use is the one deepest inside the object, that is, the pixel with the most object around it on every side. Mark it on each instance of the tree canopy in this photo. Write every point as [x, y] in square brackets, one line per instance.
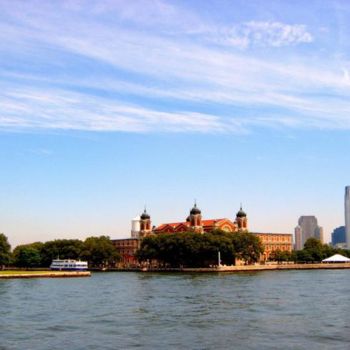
[61, 248]
[5, 251]
[281, 255]
[98, 251]
[247, 247]
[28, 255]
[315, 251]
[191, 249]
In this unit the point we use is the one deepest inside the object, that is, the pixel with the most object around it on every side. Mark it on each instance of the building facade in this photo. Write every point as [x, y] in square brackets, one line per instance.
[141, 227]
[339, 236]
[347, 215]
[298, 239]
[275, 241]
[195, 223]
[127, 249]
[307, 228]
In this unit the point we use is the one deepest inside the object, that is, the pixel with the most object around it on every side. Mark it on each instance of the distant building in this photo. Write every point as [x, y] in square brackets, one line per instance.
[275, 241]
[339, 236]
[135, 226]
[127, 248]
[141, 227]
[194, 223]
[298, 238]
[347, 215]
[307, 228]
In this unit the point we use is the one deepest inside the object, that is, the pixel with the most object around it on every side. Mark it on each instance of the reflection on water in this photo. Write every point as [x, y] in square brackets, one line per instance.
[266, 310]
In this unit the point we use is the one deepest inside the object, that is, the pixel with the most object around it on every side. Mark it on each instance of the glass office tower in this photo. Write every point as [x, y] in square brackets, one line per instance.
[347, 215]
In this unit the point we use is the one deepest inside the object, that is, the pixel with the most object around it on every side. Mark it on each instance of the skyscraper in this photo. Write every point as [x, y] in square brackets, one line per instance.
[347, 215]
[307, 228]
[338, 236]
[298, 238]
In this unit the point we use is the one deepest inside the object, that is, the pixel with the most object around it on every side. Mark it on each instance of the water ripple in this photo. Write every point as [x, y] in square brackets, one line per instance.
[267, 310]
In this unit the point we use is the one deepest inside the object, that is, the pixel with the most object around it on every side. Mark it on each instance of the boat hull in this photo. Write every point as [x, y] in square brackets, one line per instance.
[68, 265]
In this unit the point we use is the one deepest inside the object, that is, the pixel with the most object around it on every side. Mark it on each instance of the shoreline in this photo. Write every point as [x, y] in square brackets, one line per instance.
[243, 268]
[218, 269]
[45, 274]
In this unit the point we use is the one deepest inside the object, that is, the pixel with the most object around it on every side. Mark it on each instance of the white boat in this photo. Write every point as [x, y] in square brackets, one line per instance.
[69, 264]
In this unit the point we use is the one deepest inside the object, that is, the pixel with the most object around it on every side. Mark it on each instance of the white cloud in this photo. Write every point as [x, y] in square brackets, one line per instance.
[346, 75]
[57, 109]
[266, 34]
[173, 68]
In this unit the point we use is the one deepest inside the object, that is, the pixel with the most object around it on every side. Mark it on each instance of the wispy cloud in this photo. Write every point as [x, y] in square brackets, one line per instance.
[275, 34]
[42, 152]
[74, 111]
[109, 66]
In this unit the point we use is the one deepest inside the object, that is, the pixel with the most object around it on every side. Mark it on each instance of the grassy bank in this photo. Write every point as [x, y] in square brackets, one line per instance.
[24, 272]
[42, 274]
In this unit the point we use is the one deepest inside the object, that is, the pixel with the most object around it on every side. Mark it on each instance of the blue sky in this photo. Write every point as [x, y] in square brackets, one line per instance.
[107, 105]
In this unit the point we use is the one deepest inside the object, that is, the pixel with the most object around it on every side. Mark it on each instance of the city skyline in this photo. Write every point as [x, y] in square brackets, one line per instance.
[308, 227]
[107, 106]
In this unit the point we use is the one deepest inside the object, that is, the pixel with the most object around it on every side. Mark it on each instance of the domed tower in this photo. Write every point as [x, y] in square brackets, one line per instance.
[195, 219]
[241, 220]
[145, 224]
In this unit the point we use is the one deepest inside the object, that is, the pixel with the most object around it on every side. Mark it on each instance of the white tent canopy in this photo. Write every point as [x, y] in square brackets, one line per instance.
[337, 258]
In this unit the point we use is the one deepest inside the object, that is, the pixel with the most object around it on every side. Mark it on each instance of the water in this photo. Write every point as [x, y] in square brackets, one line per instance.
[265, 310]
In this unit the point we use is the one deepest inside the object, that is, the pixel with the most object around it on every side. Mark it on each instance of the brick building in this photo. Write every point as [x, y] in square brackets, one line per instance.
[194, 223]
[127, 248]
[275, 241]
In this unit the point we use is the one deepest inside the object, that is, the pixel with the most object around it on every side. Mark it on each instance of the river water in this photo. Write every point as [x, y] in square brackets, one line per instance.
[264, 310]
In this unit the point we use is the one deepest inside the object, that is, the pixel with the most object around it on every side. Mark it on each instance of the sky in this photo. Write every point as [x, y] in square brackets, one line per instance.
[107, 106]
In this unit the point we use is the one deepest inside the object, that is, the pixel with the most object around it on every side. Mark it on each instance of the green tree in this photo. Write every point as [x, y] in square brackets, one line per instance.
[247, 247]
[344, 252]
[186, 249]
[315, 251]
[61, 248]
[5, 251]
[149, 249]
[313, 244]
[280, 255]
[28, 255]
[303, 256]
[100, 252]
[218, 241]
[314, 248]
[189, 249]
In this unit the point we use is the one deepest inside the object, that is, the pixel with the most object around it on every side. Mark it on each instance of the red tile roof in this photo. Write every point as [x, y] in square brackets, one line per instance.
[174, 225]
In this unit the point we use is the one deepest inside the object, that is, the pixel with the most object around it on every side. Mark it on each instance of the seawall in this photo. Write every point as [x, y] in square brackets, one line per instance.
[252, 268]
